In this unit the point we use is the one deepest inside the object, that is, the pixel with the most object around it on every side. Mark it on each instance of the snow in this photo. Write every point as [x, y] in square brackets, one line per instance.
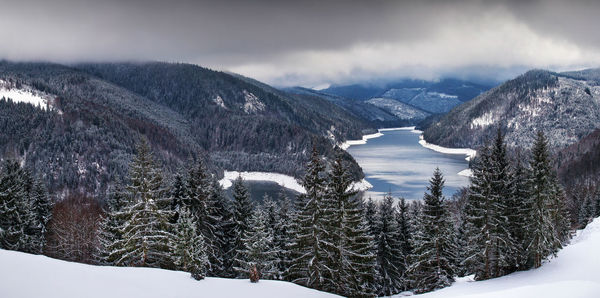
[26, 275]
[23, 95]
[219, 101]
[470, 153]
[483, 120]
[252, 104]
[281, 179]
[442, 95]
[349, 143]
[466, 173]
[573, 274]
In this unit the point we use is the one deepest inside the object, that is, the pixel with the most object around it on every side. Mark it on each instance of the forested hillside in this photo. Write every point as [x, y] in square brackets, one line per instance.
[565, 106]
[97, 113]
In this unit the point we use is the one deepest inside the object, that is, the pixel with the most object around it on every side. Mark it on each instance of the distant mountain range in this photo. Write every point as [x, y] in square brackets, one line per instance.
[412, 100]
[93, 114]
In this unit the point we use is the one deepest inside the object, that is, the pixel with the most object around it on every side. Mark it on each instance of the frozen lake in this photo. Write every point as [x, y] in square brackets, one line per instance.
[397, 163]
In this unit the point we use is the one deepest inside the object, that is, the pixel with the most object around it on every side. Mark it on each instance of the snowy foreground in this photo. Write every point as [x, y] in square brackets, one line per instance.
[26, 275]
[575, 273]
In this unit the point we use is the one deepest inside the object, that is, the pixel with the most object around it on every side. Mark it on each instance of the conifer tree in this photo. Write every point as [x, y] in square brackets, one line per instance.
[189, 249]
[434, 243]
[283, 235]
[308, 266]
[543, 237]
[258, 249]
[224, 232]
[178, 196]
[349, 246]
[371, 216]
[518, 210]
[242, 212]
[110, 234]
[198, 200]
[146, 231]
[41, 207]
[15, 208]
[390, 260]
[404, 228]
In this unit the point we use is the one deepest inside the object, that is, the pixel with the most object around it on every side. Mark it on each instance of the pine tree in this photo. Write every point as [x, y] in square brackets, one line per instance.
[189, 249]
[197, 199]
[283, 235]
[434, 242]
[542, 234]
[146, 231]
[404, 228]
[178, 196]
[350, 247]
[371, 216]
[15, 208]
[224, 232]
[41, 206]
[242, 212]
[518, 210]
[308, 266]
[258, 249]
[110, 234]
[390, 260]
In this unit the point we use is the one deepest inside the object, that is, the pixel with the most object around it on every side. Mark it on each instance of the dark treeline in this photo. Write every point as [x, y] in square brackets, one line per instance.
[512, 217]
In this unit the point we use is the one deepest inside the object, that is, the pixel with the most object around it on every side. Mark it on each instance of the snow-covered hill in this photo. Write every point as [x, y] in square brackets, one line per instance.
[27, 276]
[573, 274]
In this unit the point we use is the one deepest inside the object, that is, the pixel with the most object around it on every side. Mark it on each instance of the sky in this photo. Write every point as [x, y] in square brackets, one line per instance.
[311, 43]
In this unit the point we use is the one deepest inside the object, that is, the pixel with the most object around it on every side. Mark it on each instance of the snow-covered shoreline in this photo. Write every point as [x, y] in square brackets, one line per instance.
[345, 145]
[470, 153]
[281, 179]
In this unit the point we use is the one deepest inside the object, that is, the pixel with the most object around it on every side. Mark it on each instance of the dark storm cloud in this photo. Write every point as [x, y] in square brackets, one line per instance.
[307, 42]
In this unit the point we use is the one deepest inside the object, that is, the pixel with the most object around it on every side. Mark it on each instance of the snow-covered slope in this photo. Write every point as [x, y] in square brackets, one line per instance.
[24, 94]
[398, 108]
[27, 276]
[573, 274]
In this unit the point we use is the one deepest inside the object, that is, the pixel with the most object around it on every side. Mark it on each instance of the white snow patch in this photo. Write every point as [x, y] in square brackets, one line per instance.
[442, 95]
[24, 94]
[573, 274]
[24, 275]
[466, 173]
[361, 185]
[281, 179]
[219, 101]
[470, 153]
[397, 128]
[252, 104]
[349, 143]
[483, 120]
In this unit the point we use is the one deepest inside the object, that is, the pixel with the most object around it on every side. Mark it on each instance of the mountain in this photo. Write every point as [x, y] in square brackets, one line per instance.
[566, 106]
[581, 160]
[399, 109]
[372, 114]
[85, 134]
[431, 96]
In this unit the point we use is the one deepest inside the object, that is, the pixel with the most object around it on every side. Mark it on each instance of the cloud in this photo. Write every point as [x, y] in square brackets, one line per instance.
[311, 42]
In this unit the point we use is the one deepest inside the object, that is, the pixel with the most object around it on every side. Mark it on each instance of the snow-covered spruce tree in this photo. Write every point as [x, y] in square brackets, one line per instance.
[258, 249]
[15, 208]
[371, 216]
[308, 265]
[283, 234]
[434, 242]
[543, 237]
[405, 229]
[349, 246]
[490, 245]
[518, 210]
[242, 212]
[110, 234]
[198, 202]
[188, 246]
[41, 206]
[390, 260]
[505, 246]
[271, 213]
[224, 232]
[146, 231]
